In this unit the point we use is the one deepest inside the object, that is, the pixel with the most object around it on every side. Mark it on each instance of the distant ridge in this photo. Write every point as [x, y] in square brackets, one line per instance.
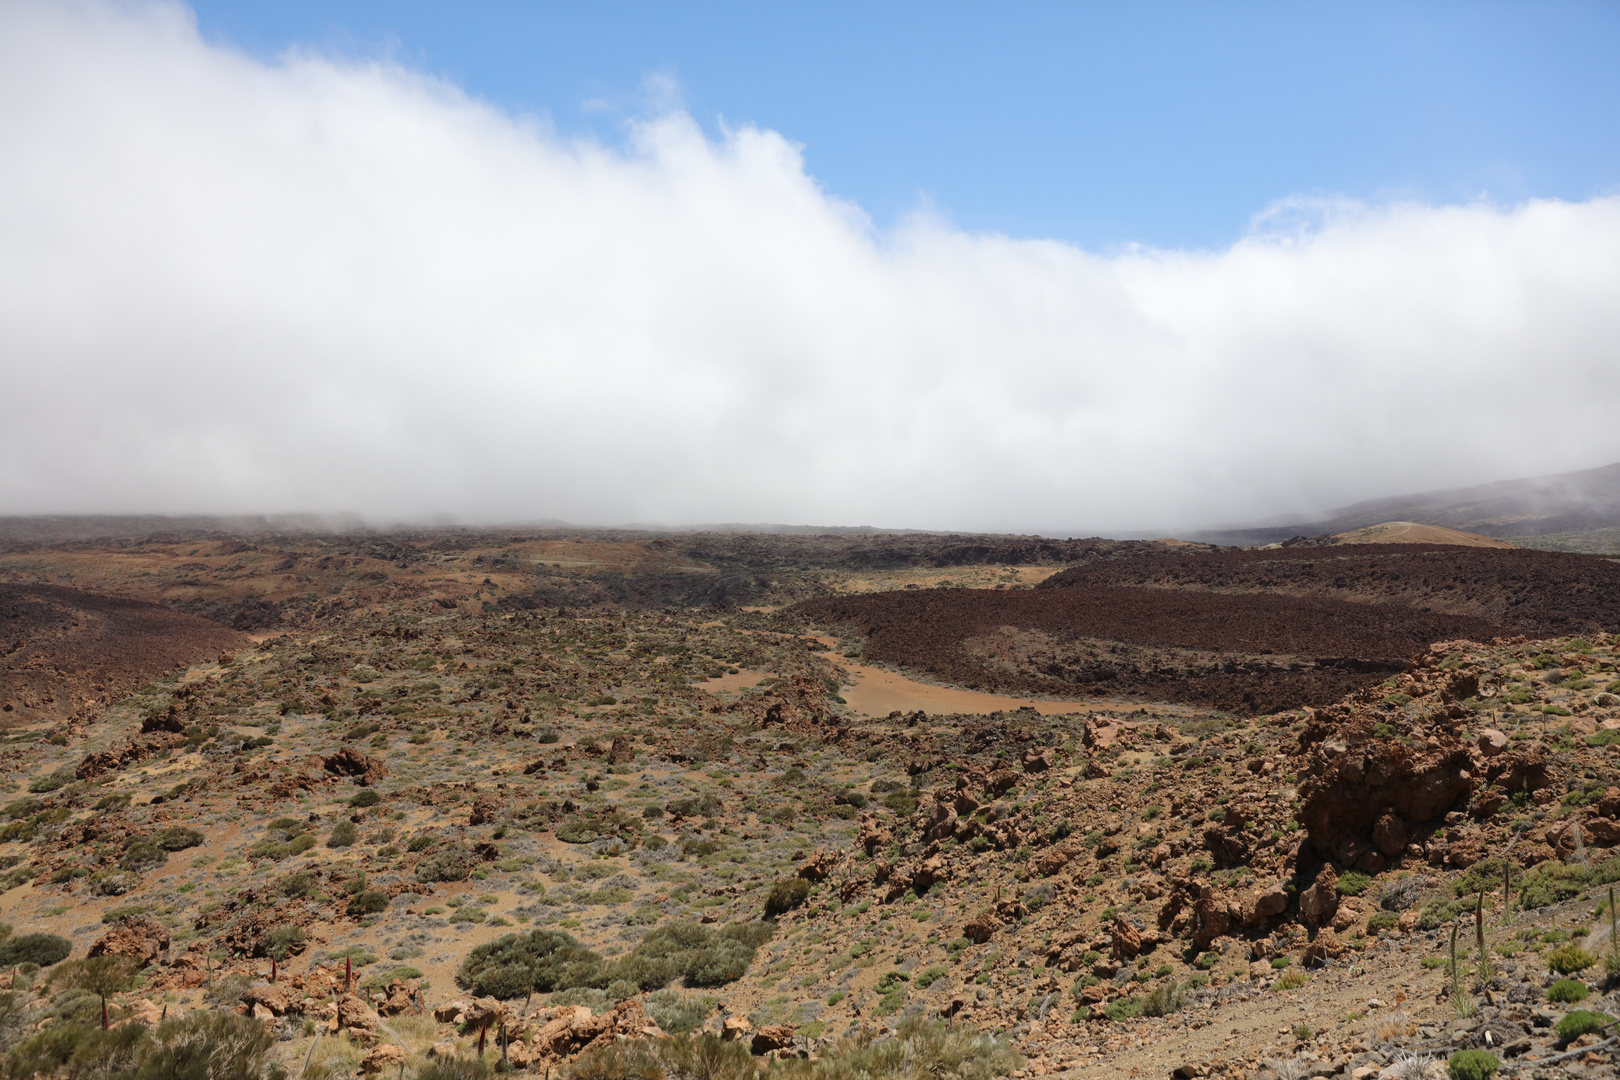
[1403, 532]
[1575, 511]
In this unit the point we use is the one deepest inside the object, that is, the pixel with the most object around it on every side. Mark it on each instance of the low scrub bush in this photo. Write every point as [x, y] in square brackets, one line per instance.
[546, 960]
[1550, 883]
[276, 850]
[55, 781]
[1569, 959]
[367, 903]
[281, 942]
[141, 855]
[344, 834]
[1472, 1065]
[1578, 1022]
[678, 1013]
[177, 838]
[785, 896]
[1567, 991]
[1354, 883]
[449, 863]
[41, 949]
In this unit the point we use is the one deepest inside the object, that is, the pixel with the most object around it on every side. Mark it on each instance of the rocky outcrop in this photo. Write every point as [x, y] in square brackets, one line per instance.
[485, 809]
[771, 1037]
[1318, 903]
[362, 768]
[1354, 786]
[818, 866]
[137, 938]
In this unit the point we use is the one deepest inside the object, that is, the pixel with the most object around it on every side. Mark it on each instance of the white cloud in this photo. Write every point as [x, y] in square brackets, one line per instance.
[318, 285]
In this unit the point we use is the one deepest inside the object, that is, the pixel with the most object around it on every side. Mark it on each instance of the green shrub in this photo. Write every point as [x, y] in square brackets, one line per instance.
[368, 903]
[785, 896]
[41, 949]
[1382, 920]
[512, 965]
[1472, 1065]
[578, 832]
[1353, 883]
[141, 855]
[1439, 911]
[1125, 1008]
[282, 941]
[1569, 959]
[706, 805]
[1162, 1000]
[205, 1043]
[177, 838]
[21, 808]
[903, 803]
[344, 834]
[678, 1013]
[1578, 1022]
[449, 863]
[1567, 991]
[692, 951]
[365, 797]
[930, 975]
[55, 781]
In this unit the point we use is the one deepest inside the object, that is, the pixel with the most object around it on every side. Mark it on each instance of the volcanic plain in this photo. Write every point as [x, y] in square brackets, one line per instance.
[546, 797]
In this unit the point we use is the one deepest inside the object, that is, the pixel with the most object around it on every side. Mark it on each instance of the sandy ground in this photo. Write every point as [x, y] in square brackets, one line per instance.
[1410, 532]
[878, 692]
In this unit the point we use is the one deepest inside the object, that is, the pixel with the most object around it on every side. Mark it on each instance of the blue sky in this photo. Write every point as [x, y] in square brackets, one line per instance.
[1167, 124]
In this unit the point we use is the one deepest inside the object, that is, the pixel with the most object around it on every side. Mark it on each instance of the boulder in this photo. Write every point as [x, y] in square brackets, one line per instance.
[136, 937]
[1039, 760]
[1350, 791]
[354, 1014]
[1212, 918]
[402, 998]
[1264, 904]
[484, 1012]
[1127, 941]
[451, 1012]
[941, 823]
[930, 872]
[818, 866]
[1491, 742]
[979, 930]
[772, 1037]
[273, 999]
[621, 752]
[383, 1057]
[736, 1029]
[1389, 835]
[485, 809]
[1318, 903]
[362, 768]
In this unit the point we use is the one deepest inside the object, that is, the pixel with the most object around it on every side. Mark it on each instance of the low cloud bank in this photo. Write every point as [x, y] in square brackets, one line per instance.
[328, 286]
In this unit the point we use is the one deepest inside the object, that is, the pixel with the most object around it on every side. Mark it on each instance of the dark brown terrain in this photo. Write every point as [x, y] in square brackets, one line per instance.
[1541, 593]
[64, 651]
[1246, 631]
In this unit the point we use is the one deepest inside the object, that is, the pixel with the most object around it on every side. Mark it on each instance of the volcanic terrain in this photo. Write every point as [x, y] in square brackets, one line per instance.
[550, 798]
